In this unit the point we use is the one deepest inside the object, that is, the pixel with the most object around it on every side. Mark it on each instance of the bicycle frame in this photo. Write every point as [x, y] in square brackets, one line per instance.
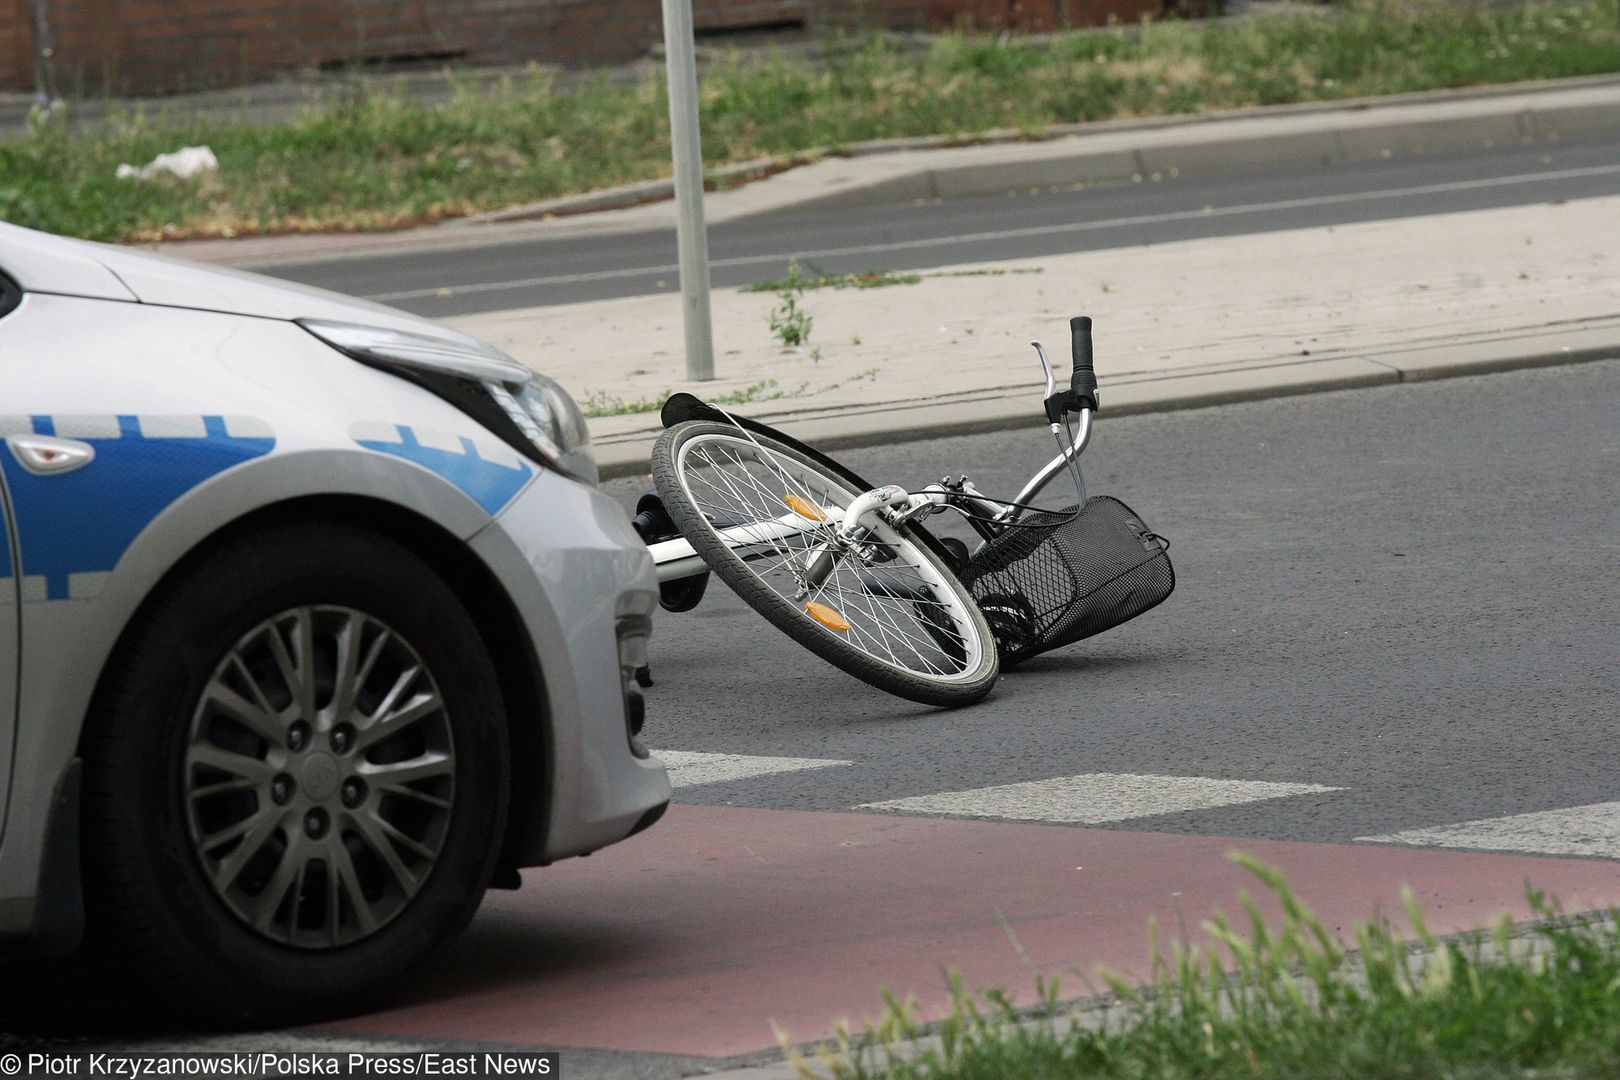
[675, 559]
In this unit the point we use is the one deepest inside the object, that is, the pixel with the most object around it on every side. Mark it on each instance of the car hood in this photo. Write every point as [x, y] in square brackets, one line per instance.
[44, 263]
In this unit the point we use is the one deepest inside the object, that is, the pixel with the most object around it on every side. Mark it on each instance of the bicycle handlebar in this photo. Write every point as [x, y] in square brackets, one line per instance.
[1083, 381]
[1082, 392]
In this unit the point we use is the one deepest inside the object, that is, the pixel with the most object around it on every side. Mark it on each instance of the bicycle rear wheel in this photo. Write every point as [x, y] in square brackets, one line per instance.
[888, 611]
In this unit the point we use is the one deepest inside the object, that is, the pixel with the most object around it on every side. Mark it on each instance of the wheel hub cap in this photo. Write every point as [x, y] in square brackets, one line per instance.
[318, 777]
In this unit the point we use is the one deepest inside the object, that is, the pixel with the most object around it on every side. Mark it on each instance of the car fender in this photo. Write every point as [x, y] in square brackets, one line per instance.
[54, 698]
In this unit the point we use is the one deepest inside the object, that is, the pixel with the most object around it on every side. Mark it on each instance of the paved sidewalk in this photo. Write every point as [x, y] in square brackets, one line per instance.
[1188, 323]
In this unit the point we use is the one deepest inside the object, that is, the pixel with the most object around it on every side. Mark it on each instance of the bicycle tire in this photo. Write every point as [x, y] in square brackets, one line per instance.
[937, 605]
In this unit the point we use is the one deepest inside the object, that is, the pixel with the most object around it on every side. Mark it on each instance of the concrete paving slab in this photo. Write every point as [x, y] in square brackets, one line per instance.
[1178, 325]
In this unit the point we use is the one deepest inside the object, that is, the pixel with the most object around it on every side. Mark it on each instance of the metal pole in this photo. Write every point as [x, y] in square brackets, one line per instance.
[44, 84]
[691, 238]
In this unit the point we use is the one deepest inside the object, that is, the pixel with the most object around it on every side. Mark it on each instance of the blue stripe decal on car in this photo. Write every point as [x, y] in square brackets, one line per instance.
[82, 522]
[490, 484]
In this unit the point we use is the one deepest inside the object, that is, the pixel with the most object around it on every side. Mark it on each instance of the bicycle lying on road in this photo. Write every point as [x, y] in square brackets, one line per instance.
[847, 569]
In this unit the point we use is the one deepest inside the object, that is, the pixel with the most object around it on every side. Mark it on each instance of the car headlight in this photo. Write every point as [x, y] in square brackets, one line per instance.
[553, 422]
[527, 410]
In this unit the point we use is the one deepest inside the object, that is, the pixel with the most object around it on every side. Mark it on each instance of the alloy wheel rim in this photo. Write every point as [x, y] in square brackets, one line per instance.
[318, 777]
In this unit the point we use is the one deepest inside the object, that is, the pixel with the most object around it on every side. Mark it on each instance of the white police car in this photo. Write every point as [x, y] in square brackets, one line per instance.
[313, 624]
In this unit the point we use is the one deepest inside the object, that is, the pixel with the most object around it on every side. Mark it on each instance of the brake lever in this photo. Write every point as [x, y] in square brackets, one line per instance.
[1051, 402]
[1046, 366]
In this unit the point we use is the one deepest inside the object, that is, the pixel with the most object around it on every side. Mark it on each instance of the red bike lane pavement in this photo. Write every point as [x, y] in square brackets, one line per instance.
[695, 937]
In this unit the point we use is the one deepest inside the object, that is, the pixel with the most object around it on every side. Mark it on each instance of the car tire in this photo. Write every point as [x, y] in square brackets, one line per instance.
[173, 907]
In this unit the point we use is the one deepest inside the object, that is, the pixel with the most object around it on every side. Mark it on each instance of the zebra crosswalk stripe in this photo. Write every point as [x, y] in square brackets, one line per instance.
[1096, 798]
[689, 768]
[1576, 830]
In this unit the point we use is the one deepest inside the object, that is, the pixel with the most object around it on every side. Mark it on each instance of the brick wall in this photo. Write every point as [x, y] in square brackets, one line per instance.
[890, 14]
[16, 46]
[157, 46]
[736, 14]
[147, 46]
[1036, 16]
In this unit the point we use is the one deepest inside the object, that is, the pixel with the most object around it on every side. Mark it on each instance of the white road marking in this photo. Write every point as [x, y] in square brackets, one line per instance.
[1096, 798]
[1576, 830]
[1011, 234]
[688, 768]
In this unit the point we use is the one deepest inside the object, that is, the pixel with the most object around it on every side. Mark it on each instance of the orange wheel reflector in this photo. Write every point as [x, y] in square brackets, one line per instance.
[805, 509]
[826, 616]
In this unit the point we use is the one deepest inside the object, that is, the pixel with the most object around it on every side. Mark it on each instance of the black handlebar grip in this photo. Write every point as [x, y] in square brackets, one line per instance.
[1083, 382]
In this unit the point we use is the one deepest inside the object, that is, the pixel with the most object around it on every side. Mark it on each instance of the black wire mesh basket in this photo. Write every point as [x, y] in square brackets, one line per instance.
[1064, 576]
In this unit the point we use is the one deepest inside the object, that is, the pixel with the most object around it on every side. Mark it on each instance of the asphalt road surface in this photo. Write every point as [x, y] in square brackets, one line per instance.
[1396, 610]
[1159, 209]
[1409, 594]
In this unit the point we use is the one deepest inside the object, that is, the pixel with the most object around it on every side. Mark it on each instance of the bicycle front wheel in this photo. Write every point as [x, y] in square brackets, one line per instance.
[764, 517]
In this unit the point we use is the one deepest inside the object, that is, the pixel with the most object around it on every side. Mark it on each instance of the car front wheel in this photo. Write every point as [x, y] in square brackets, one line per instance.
[295, 777]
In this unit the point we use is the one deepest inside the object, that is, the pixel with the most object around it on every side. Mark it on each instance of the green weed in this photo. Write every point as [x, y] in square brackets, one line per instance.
[599, 403]
[367, 160]
[790, 322]
[1262, 1000]
[870, 279]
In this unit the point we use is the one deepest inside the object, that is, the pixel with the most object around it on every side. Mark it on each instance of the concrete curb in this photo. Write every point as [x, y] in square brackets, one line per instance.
[1101, 154]
[1114, 150]
[1121, 149]
[1095, 1011]
[899, 170]
[625, 454]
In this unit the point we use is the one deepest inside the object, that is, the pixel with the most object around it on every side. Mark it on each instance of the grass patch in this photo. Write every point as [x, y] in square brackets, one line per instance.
[366, 161]
[600, 403]
[1296, 1004]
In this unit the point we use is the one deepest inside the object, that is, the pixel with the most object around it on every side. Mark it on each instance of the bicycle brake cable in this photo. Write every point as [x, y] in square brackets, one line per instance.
[1067, 515]
[1071, 458]
[1065, 450]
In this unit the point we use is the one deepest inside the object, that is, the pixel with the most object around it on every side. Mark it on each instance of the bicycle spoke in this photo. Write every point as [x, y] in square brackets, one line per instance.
[899, 610]
[883, 622]
[750, 512]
